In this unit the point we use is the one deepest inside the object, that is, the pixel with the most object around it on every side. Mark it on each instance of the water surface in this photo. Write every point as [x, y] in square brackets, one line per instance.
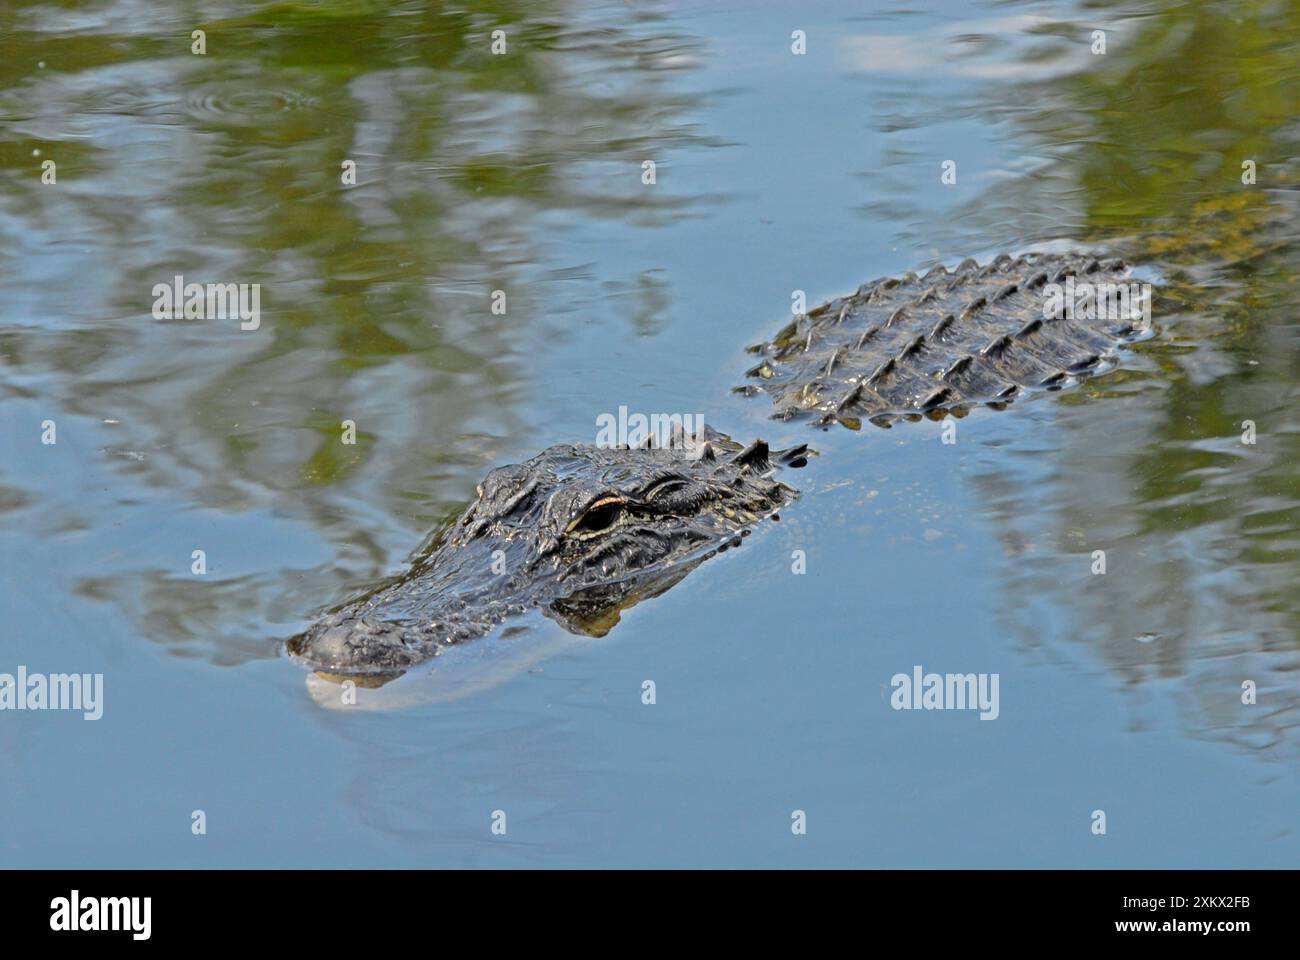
[775, 172]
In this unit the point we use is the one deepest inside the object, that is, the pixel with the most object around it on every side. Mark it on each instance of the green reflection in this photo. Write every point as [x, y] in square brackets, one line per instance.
[1202, 531]
[375, 296]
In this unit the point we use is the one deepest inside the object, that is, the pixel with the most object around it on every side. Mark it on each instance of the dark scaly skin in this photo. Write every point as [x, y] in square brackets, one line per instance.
[582, 533]
[585, 532]
[932, 344]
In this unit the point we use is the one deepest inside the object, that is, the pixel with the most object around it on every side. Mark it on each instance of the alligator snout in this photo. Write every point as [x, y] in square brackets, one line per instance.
[345, 643]
[579, 533]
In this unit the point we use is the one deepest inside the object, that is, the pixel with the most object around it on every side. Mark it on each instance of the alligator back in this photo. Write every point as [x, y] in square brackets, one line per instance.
[944, 341]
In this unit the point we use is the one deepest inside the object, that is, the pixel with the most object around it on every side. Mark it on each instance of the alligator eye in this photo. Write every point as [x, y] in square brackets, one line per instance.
[598, 517]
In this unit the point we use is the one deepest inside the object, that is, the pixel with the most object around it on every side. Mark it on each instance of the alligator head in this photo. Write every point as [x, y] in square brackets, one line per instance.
[580, 532]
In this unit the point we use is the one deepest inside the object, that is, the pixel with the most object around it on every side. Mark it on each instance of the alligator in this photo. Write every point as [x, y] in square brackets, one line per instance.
[578, 531]
[581, 532]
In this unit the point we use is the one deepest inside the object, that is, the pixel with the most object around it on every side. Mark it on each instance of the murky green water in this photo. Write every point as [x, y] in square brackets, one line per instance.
[523, 173]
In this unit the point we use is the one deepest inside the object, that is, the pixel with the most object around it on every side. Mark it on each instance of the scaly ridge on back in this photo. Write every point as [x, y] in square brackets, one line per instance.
[910, 345]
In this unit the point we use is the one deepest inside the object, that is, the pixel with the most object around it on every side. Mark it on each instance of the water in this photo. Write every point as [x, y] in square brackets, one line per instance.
[523, 173]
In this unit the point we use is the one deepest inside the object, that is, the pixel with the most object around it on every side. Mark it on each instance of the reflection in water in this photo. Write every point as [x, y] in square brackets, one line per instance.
[376, 297]
[1138, 151]
[1200, 529]
[459, 673]
[1199, 587]
[523, 174]
[227, 167]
